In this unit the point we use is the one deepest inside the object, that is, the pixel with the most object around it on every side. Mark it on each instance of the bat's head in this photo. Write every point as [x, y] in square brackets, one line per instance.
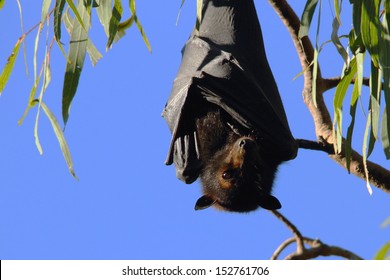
[238, 179]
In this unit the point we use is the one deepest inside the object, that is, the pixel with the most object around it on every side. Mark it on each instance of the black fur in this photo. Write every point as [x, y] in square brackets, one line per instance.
[237, 173]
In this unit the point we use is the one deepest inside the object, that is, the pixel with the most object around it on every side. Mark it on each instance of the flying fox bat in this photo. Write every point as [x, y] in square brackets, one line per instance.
[225, 114]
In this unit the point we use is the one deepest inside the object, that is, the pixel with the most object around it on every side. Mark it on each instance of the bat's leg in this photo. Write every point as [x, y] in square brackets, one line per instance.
[320, 145]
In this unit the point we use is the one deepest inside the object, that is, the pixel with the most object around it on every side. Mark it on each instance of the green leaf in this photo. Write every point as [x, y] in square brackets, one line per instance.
[60, 137]
[375, 98]
[382, 254]
[30, 103]
[77, 14]
[58, 9]
[2, 4]
[374, 105]
[315, 73]
[122, 26]
[36, 134]
[337, 9]
[114, 22]
[364, 152]
[138, 23]
[77, 52]
[384, 61]
[104, 13]
[384, 133]
[45, 84]
[340, 93]
[356, 93]
[335, 38]
[356, 16]
[94, 54]
[45, 10]
[370, 28]
[348, 142]
[306, 17]
[36, 49]
[6, 73]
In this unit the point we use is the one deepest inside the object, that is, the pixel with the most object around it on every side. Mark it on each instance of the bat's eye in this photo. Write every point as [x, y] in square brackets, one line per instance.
[228, 174]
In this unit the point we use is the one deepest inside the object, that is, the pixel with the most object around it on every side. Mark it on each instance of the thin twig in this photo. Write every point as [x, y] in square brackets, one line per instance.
[293, 228]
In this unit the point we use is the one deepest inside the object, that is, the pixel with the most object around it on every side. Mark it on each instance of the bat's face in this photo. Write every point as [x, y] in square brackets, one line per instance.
[235, 179]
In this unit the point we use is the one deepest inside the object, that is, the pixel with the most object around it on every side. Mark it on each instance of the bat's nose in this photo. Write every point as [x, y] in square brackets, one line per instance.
[243, 142]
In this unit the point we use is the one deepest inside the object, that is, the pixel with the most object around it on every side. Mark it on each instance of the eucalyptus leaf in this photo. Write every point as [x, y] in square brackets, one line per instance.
[77, 52]
[306, 17]
[9, 66]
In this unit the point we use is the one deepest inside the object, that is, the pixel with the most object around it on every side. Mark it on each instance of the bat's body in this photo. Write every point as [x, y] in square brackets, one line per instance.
[226, 117]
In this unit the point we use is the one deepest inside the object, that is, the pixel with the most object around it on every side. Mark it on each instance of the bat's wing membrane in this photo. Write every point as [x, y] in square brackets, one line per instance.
[233, 77]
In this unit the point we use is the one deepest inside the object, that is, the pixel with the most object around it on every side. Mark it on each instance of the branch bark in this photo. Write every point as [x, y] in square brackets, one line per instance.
[317, 248]
[378, 176]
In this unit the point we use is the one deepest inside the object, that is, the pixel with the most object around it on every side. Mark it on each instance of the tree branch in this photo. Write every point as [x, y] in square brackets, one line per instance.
[378, 176]
[317, 247]
[330, 83]
[320, 249]
[298, 236]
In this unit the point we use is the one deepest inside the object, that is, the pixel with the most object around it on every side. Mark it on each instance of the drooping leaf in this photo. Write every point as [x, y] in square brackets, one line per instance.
[348, 141]
[335, 38]
[9, 66]
[315, 73]
[58, 9]
[77, 52]
[45, 10]
[30, 103]
[387, 12]
[306, 17]
[337, 9]
[375, 98]
[370, 28]
[116, 16]
[356, 16]
[384, 133]
[36, 49]
[92, 51]
[315, 58]
[384, 61]
[365, 151]
[356, 93]
[60, 137]
[340, 93]
[139, 26]
[122, 26]
[104, 12]
[383, 253]
[77, 14]
[46, 81]
[22, 28]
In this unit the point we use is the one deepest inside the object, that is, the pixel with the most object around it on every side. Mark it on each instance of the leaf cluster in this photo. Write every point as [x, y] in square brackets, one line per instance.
[76, 16]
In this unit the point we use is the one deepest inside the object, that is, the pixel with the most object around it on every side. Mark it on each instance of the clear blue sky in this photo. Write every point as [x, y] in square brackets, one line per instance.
[127, 204]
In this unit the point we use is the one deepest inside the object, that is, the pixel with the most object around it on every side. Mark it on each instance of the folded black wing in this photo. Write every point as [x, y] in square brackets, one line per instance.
[224, 63]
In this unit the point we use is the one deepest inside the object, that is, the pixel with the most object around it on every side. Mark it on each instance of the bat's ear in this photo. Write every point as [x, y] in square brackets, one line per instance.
[204, 202]
[269, 202]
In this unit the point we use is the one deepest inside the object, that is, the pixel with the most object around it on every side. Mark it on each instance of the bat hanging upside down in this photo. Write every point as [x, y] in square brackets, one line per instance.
[226, 117]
